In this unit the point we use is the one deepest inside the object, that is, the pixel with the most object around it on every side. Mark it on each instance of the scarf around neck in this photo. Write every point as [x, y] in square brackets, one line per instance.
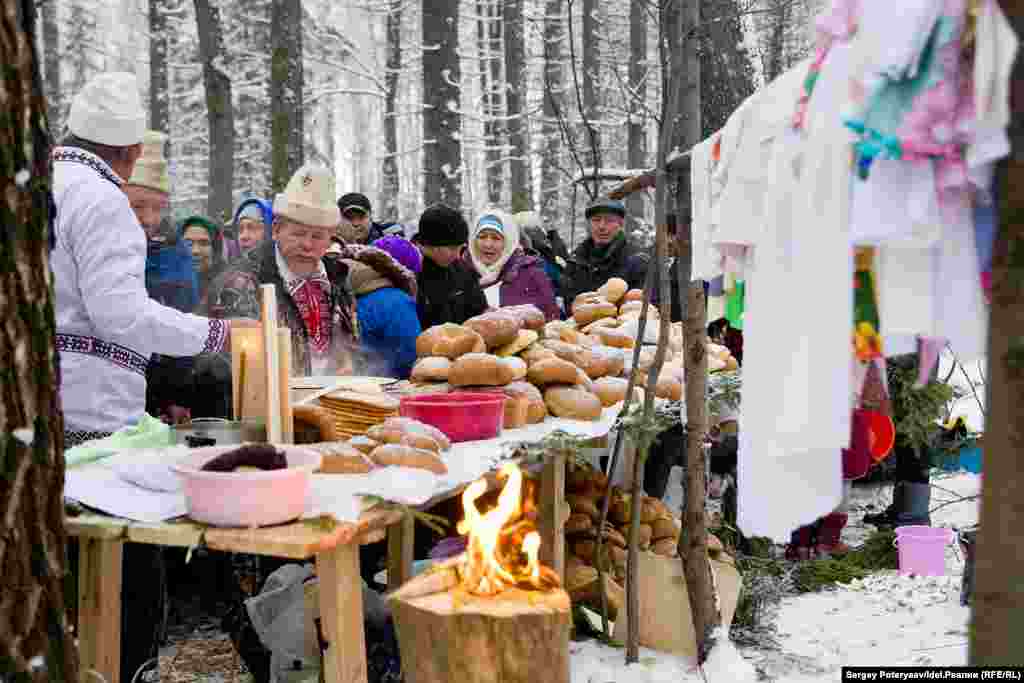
[311, 294]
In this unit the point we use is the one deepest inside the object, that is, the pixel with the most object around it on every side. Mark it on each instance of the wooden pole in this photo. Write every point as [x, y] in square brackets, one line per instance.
[268, 308]
[997, 613]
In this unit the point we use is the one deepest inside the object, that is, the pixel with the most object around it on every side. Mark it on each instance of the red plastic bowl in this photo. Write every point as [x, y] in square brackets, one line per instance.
[461, 415]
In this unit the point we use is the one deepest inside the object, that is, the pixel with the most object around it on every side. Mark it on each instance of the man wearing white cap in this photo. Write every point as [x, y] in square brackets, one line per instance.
[313, 297]
[107, 325]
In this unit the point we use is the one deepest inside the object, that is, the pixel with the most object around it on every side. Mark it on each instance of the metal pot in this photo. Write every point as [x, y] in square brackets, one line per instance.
[215, 431]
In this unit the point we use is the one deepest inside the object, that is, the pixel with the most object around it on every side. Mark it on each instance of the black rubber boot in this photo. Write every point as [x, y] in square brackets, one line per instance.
[916, 499]
[887, 517]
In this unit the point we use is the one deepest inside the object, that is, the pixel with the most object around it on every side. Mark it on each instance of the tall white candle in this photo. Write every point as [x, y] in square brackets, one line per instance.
[269, 319]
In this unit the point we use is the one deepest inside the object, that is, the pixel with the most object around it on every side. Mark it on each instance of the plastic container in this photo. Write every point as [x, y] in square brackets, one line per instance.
[922, 549]
[461, 415]
[247, 499]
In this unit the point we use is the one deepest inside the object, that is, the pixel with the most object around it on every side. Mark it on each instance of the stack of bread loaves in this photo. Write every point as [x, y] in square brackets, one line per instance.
[659, 534]
[395, 441]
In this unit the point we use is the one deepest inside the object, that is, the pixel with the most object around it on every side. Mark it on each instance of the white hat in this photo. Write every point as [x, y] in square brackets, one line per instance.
[151, 168]
[309, 198]
[108, 111]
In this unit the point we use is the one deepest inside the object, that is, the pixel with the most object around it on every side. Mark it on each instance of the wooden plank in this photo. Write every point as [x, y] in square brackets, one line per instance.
[99, 607]
[179, 534]
[341, 615]
[95, 526]
[551, 523]
[400, 551]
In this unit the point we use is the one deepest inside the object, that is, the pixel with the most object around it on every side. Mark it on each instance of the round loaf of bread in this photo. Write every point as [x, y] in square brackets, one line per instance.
[496, 327]
[481, 370]
[341, 458]
[536, 352]
[421, 441]
[536, 410]
[517, 411]
[588, 313]
[585, 298]
[614, 289]
[411, 426]
[553, 371]
[573, 403]
[612, 336]
[522, 341]
[431, 369]
[611, 390]
[531, 317]
[632, 295]
[564, 350]
[407, 456]
[448, 340]
[553, 330]
[669, 388]
[516, 367]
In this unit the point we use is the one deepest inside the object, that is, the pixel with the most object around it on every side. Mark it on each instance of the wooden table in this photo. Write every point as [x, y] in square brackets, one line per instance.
[336, 552]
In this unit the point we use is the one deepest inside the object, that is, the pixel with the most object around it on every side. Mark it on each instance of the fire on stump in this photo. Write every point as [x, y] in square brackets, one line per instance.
[493, 613]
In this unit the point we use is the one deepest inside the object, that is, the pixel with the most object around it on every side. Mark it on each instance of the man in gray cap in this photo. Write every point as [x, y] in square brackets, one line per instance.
[605, 254]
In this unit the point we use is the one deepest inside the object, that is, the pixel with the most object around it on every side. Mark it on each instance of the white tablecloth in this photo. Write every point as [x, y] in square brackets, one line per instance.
[113, 486]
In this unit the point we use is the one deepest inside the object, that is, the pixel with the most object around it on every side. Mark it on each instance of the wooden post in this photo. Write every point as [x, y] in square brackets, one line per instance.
[284, 370]
[997, 611]
[341, 615]
[552, 521]
[99, 608]
[268, 316]
[401, 537]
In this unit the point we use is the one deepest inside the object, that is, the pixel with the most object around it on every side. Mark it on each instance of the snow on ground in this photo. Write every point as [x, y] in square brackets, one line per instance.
[886, 619]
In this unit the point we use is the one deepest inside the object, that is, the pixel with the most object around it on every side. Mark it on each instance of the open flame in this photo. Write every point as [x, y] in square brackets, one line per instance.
[503, 546]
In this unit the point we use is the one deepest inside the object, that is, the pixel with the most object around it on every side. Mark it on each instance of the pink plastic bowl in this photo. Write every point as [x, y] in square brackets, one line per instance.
[461, 415]
[247, 499]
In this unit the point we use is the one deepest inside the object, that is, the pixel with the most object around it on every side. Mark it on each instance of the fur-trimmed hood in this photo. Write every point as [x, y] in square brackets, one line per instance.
[371, 269]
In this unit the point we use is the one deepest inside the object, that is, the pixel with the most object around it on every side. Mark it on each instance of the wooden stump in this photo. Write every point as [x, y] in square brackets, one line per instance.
[517, 636]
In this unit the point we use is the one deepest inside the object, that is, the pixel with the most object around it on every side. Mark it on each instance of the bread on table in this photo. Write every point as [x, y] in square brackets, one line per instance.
[531, 317]
[613, 290]
[483, 370]
[611, 390]
[523, 340]
[552, 371]
[431, 369]
[409, 425]
[497, 328]
[588, 313]
[536, 409]
[407, 456]
[363, 444]
[572, 402]
[339, 457]
[448, 340]
[536, 352]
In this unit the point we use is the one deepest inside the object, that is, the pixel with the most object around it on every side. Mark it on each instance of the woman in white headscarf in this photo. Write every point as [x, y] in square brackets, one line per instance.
[508, 276]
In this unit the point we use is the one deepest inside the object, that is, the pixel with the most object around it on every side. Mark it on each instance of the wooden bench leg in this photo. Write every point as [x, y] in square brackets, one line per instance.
[341, 615]
[99, 607]
[552, 522]
[400, 551]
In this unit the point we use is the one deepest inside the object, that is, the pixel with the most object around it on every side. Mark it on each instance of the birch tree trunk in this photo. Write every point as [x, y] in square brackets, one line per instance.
[286, 92]
[389, 171]
[489, 48]
[220, 111]
[51, 64]
[637, 152]
[442, 128]
[33, 620]
[515, 96]
[591, 73]
[554, 28]
[159, 105]
[997, 613]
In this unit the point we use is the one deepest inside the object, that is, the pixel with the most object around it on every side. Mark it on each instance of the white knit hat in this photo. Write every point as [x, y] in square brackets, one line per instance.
[151, 168]
[108, 111]
[309, 198]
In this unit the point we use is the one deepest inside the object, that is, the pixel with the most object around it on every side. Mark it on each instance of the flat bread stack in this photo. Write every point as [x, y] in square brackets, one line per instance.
[356, 412]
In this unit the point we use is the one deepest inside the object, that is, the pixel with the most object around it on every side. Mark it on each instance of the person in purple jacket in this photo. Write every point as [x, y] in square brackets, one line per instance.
[508, 276]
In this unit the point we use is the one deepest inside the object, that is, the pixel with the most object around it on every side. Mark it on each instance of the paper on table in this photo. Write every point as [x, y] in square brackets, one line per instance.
[100, 486]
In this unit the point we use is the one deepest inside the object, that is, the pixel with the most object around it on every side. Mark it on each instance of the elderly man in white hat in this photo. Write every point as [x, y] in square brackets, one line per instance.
[313, 297]
[107, 325]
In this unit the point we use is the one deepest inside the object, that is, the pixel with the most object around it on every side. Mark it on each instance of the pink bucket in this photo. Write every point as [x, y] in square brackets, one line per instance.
[922, 549]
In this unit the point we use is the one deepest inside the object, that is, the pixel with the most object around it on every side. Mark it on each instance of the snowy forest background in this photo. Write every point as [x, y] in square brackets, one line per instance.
[469, 102]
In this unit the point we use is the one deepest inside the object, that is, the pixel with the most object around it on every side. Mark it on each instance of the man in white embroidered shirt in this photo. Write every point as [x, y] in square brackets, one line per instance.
[107, 326]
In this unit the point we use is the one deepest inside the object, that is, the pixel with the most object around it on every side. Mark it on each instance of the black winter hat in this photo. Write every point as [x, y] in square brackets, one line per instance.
[442, 226]
[354, 200]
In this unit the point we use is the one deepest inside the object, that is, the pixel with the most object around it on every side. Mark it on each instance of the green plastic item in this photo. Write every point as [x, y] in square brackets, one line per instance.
[149, 432]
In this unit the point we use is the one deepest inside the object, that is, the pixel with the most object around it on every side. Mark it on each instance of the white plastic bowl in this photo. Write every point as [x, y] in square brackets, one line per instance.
[247, 499]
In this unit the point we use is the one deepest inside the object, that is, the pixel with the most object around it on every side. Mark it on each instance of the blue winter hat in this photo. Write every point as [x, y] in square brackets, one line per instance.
[260, 209]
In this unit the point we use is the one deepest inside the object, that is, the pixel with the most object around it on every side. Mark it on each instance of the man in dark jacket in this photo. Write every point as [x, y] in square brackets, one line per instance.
[607, 253]
[449, 291]
[357, 225]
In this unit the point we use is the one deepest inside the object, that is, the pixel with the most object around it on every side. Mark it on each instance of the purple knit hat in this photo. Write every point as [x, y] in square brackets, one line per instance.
[402, 250]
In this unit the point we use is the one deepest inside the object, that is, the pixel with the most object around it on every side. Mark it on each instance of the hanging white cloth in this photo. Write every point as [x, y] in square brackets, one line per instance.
[796, 358]
[704, 267]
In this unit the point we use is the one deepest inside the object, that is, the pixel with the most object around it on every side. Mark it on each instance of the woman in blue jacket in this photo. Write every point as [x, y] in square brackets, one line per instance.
[385, 292]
